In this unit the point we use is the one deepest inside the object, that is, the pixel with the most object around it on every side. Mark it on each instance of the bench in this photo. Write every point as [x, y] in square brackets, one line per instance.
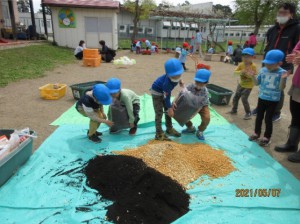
[210, 57]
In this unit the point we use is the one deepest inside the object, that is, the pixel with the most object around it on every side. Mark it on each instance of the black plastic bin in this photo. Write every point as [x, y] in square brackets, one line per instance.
[13, 161]
[219, 95]
[80, 89]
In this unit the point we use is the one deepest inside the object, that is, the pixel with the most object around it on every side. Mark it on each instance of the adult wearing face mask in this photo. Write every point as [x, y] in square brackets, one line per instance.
[284, 35]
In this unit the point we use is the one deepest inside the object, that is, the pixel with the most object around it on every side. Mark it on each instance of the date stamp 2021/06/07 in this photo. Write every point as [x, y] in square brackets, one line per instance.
[259, 192]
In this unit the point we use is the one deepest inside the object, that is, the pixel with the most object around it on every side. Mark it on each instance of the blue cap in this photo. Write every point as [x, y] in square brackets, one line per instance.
[114, 85]
[248, 51]
[102, 94]
[173, 67]
[202, 75]
[273, 57]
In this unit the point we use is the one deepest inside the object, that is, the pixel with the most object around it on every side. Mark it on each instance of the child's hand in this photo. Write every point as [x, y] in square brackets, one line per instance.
[171, 112]
[251, 72]
[109, 123]
[104, 116]
[181, 83]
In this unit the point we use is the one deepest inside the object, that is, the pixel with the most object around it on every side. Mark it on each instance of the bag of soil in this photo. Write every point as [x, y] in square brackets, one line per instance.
[188, 105]
[119, 116]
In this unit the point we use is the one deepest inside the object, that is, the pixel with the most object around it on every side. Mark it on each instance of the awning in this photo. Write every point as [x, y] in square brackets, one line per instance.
[176, 24]
[166, 23]
[185, 25]
[194, 25]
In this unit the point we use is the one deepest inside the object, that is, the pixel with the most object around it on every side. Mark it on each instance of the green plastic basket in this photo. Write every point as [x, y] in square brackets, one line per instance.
[80, 89]
[219, 95]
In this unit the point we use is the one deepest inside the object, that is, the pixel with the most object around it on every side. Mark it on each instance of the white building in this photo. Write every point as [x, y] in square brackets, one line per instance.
[174, 23]
[243, 32]
[89, 20]
[25, 19]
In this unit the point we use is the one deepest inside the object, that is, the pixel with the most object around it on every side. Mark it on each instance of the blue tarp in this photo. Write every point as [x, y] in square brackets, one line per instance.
[50, 188]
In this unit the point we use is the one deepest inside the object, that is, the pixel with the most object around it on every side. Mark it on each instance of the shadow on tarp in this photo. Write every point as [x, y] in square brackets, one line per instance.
[71, 116]
[50, 187]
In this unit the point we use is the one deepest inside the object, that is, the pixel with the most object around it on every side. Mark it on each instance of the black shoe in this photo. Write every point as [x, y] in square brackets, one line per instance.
[97, 133]
[114, 131]
[95, 138]
[292, 143]
[276, 117]
[295, 157]
[254, 112]
[233, 112]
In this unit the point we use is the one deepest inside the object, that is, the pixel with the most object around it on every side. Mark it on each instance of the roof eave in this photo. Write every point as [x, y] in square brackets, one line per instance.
[81, 6]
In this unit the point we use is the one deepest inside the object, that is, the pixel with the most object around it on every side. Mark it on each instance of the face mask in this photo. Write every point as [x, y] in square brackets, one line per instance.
[175, 80]
[282, 19]
[83, 45]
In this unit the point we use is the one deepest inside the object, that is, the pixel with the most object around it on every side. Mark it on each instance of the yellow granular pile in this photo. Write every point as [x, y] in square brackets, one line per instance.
[184, 163]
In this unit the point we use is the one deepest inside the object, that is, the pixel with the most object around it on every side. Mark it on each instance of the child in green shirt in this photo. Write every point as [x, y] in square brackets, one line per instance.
[129, 99]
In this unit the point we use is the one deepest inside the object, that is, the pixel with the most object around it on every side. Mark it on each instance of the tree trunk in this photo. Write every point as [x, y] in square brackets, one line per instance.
[256, 29]
[135, 20]
[212, 29]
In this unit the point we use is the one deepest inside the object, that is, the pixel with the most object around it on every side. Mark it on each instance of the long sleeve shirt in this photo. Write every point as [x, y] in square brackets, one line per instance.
[245, 80]
[127, 98]
[164, 86]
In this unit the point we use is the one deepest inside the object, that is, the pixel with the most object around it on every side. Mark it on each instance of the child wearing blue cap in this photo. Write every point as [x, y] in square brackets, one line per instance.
[91, 105]
[244, 88]
[199, 89]
[271, 80]
[129, 99]
[161, 95]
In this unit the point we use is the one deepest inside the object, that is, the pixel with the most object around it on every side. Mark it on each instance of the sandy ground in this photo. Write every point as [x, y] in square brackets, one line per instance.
[21, 105]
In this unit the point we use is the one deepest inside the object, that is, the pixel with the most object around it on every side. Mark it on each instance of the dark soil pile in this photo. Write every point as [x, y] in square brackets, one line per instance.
[140, 193]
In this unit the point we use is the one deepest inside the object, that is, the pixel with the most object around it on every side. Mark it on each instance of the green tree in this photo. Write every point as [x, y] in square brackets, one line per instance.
[165, 5]
[222, 10]
[23, 5]
[186, 3]
[141, 10]
[47, 10]
[258, 12]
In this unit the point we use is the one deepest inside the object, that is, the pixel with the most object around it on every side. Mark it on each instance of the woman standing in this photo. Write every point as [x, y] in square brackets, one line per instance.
[294, 137]
[252, 40]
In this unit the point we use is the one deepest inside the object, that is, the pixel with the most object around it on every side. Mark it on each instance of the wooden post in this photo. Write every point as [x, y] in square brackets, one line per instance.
[12, 19]
[45, 21]
[32, 18]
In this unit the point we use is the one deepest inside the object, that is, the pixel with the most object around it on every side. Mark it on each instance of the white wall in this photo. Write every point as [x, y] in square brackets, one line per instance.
[70, 37]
